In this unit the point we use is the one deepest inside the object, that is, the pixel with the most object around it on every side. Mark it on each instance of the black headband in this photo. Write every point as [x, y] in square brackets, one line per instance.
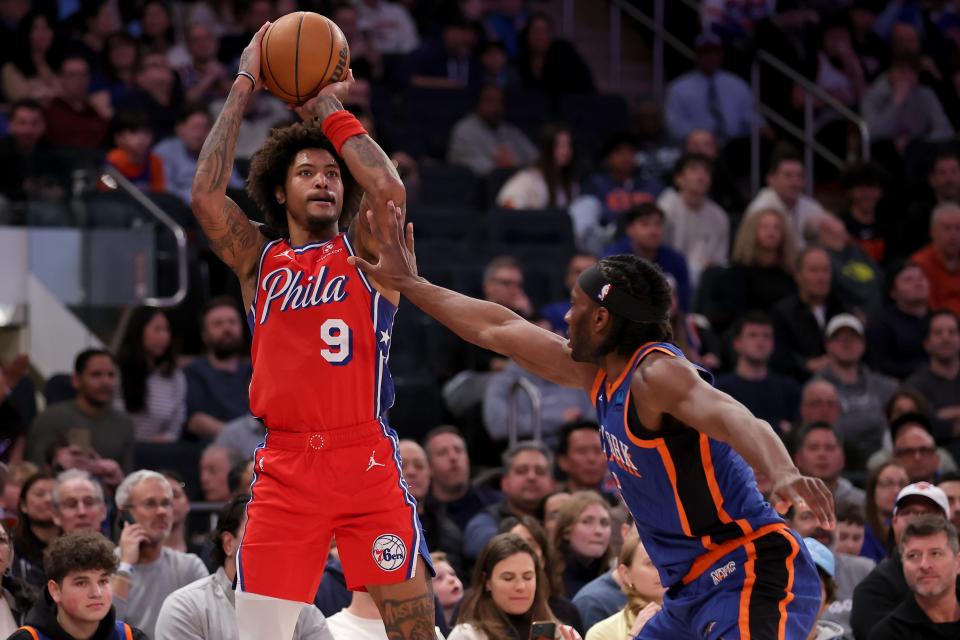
[616, 300]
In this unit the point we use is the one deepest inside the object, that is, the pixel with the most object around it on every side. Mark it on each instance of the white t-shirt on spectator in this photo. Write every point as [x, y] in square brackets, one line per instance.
[346, 626]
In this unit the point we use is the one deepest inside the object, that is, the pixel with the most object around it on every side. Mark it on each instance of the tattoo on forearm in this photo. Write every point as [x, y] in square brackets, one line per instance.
[409, 619]
[370, 154]
[215, 163]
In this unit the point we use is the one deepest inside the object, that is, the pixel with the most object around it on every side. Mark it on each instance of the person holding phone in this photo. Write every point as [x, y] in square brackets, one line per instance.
[507, 598]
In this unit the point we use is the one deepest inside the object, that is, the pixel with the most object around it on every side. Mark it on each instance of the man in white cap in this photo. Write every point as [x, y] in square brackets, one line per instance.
[863, 392]
[885, 588]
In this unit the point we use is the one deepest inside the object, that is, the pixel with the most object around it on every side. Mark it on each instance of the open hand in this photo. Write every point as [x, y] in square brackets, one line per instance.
[397, 266]
[803, 492]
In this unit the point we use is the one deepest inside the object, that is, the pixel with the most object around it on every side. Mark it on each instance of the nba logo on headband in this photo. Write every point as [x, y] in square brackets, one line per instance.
[604, 291]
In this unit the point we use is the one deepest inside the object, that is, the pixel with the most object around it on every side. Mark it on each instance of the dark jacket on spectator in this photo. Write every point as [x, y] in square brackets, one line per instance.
[909, 622]
[798, 335]
[895, 342]
[43, 618]
[882, 591]
[727, 293]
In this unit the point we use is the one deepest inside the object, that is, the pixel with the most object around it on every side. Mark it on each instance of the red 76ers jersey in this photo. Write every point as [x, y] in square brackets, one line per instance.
[321, 339]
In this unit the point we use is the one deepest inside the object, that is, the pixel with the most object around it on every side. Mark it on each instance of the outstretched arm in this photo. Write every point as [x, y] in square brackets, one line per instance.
[670, 385]
[485, 324]
[233, 237]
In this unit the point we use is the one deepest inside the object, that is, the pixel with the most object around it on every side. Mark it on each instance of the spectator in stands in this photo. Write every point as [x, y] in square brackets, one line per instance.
[503, 284]
[550, 183]
[154, 390]
[496, 68]
[16, 475]
[824, 561]
[365, 59]
[819, 454]
[900, 110]
[622, 185]
[883, 487]
[132, 156]
[506, 21]
[447, 585]
[856, 277]
[77, 602]
[692, 333]
[885, 587]
[504, 405]
[34, 172]
[761, 274]
[799, 320]
[35, 528]
[784, 192]
[724, 188]
[157, 26]
[16, 598]
[940, 260]
[158, 94]
[148, 571]
[205, 77]
[440, 532]
[533, 533]
[93, 22]
[895, 336]
[913, 232]
[550, 64]
[709, 97]
[850, 529]
[939, 379]
[215, 464]
[90, 417]
[389, 24]
[121, 58]
[914, 447]
[11, 13]
[950, 483]
[78, 503]
[819, 402]
[581, 541]
[75, 119]
[863, 216]
[930, 555]
[31, 73]
[177, 539]
[448, 63]
[768, 395]
[498, 604]
[360, 619]
[580, 457]
[695, 225]
[643, 227]
[555, 313]
[243, 434]
[450, 486]
[482, 141]
[251, 16]
[640, 582]
[527, 479]
[839, 71]
[217, 382]
[205, 608]
[863, 393]
[179, 154]
[240, 476]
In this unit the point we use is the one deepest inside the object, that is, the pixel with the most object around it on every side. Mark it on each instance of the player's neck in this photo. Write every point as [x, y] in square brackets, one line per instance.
[300, 237]
[614, 364]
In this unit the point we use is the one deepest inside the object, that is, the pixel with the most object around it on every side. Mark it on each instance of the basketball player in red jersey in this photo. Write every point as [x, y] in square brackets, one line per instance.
[321, 334]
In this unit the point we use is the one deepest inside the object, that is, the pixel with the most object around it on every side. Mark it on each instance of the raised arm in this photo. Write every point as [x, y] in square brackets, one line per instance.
[233, 237]
[671, 385]
[368, 164]
[485, 324]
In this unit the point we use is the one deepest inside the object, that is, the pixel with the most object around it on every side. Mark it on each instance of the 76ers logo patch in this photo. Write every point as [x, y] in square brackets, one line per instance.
[389, 552]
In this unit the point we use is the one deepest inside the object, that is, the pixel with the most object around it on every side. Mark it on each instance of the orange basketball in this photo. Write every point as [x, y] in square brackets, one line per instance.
[301, 53]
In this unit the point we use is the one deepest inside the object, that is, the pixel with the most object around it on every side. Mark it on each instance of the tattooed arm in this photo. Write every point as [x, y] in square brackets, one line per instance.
[232, 236]
[369, 165]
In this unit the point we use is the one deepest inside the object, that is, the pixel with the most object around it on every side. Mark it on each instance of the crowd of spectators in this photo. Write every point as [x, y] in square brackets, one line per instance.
[832, 315]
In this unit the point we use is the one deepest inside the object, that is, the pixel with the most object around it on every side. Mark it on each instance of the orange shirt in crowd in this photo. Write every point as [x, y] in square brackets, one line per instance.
[944, 284]
[146, 175]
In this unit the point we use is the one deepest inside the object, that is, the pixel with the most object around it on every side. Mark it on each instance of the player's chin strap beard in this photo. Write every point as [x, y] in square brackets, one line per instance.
[615, 299]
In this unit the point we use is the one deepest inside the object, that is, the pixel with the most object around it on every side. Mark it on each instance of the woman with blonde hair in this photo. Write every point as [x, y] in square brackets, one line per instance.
[760, 274]
[507, 595]
[581, 541]
[640, 582]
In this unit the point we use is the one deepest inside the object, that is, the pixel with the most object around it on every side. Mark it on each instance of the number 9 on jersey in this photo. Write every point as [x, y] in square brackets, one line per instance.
[336, 335]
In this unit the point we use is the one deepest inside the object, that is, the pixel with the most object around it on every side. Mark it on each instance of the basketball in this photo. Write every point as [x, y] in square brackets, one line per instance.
[301, 53]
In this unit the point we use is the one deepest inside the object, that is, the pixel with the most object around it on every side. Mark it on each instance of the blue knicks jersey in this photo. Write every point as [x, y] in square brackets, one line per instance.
[692, 497]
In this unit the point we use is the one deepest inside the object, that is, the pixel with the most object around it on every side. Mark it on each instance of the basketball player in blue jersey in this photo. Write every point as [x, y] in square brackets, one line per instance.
[682, 452]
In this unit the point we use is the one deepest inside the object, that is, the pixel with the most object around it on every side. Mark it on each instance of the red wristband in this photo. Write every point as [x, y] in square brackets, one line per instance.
[341, 125]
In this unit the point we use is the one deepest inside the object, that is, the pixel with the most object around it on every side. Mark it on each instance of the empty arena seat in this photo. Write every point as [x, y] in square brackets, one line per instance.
[448, 184]
[418, 406]
[520, 227]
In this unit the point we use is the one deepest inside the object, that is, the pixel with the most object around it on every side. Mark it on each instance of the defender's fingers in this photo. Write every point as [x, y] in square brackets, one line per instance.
[410, 241]
[362, 264]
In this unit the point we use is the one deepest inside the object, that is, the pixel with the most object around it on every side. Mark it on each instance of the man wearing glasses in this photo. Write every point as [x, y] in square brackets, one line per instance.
[78, 503]
[914, 447]
[148, 571]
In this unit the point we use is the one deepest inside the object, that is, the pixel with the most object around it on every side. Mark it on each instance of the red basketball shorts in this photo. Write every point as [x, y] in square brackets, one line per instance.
[309, 487]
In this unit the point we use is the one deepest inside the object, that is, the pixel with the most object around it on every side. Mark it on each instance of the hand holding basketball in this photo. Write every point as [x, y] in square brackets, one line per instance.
[320, 106]
[250, 58]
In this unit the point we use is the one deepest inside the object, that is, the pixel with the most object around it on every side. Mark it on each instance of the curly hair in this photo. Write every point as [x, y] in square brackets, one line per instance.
[268, 170]
[645, 281]
[81, 551]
